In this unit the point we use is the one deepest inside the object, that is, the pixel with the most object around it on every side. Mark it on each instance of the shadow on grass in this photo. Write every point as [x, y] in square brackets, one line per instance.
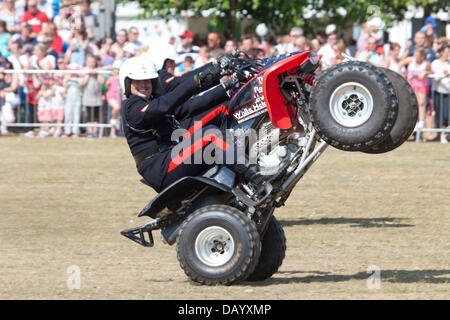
[392, 276]
[353, 222]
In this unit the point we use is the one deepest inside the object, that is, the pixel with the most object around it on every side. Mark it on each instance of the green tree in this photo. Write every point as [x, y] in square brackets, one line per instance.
[280, 15]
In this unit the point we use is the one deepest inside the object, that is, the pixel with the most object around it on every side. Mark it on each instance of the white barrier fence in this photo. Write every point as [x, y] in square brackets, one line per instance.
[102, 126]
[23, 110]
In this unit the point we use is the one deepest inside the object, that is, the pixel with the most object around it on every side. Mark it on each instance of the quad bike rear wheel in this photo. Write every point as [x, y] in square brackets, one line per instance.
[218, 244]
[354, 106]
[408, 111]
[272, 253]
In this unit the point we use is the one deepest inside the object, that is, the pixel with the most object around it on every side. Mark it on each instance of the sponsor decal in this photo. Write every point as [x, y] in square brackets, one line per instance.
[257, 107]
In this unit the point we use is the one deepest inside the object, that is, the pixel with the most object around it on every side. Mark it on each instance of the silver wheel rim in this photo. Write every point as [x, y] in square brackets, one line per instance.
[214, 246]
[351, 104]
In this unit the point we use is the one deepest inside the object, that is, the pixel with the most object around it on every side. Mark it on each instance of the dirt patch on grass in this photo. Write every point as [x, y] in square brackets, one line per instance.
[64, 201]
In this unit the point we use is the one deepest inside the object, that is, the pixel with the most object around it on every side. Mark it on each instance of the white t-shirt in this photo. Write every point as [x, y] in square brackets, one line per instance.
[328, 54]
[438, 67]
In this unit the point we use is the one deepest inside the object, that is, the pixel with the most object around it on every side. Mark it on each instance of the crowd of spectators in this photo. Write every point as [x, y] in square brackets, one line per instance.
[61, 35]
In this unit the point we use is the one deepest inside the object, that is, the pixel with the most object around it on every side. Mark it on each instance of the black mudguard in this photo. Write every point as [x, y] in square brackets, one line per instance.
[181, 190]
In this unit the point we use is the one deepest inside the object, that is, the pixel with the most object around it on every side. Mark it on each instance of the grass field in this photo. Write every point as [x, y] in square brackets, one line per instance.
[64, 201]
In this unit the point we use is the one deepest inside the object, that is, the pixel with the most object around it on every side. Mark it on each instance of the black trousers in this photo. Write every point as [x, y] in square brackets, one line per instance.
[187, 157]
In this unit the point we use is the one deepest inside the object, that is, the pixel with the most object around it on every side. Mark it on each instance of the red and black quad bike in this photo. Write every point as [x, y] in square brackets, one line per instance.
[223, 225]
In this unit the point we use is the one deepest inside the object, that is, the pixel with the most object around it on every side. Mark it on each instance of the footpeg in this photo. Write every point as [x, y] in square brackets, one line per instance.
[138, 234]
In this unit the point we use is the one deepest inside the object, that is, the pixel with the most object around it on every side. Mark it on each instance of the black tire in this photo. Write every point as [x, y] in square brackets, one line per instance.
[202, 245]
[272, 253]
[340, 106]
[408, 110]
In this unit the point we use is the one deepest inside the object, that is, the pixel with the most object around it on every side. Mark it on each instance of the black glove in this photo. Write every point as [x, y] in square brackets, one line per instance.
[210, 75]
[225, 61]
[231, 83]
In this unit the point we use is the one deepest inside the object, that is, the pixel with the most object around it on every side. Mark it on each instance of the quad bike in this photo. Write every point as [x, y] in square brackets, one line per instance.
[223, 225]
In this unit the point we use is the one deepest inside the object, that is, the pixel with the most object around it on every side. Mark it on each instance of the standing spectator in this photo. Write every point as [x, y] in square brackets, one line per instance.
[72, 106]
[339, 48]
[430, 31]
[44, 113]
[133, 38]
[185, 67]
[25, 40]
[373, 53]
[438, 44]
[92, 93]
[76, 54]
[283, 41]
[420, 41]
[418, 69]
[41, 59]
[441, 89]
[270, 43]
[204, 57]
[9, 14]
[327, 50]
[393, 59]
[300, 43]
[187, 47]
[34, 17]
[9, 97]
[57, 108]
[214, 41]
[117, 47]
[63, 22]
[294, 34]
[113, 97]
[230, 45]
[247, 43]
[4, 39]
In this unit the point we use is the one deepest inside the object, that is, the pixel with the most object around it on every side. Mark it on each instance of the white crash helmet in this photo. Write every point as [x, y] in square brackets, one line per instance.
[161, 52]
[136, 68]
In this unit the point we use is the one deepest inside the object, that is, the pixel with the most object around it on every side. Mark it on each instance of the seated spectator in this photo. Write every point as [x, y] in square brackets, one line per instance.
[76, 54]
[4, 39]
[9, 96]
[441, 90]
[117, 47]
[34, 17]
[373, 53]
[204, 57]
[24, 38]
[63, 21]
[185, 67]
[9, 14]
[46, 6]
[50, 30]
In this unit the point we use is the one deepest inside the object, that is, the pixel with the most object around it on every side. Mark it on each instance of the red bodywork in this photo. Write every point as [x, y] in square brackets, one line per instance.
[281, 113]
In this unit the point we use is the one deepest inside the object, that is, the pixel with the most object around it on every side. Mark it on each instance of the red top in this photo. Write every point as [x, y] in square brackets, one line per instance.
[57, 44]
[36, 20]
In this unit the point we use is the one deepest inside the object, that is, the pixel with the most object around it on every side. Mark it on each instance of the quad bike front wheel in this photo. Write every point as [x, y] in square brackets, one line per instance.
[272, 253]
[218, 244]
[353, 106]
[408, 111]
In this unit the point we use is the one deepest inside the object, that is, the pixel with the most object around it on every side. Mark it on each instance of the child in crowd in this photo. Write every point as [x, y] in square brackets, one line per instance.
[72, 106]
[418, 70]
[44, 111]
[92, 94]
[57, 105]
[185, 67]
[113, 97]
